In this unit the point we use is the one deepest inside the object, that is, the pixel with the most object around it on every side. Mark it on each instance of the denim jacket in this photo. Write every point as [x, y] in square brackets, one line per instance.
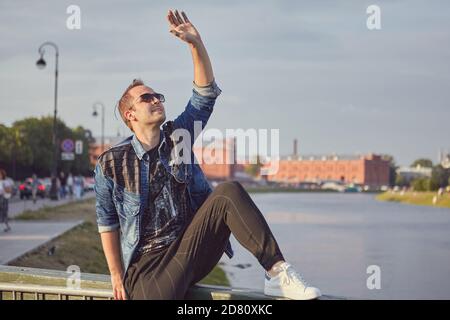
[121, 174]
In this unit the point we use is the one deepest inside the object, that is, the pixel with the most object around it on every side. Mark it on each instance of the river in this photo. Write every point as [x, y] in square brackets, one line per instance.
[332, 238]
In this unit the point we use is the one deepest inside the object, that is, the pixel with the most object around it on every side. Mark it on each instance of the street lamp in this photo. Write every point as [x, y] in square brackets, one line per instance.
[41, 65]
[95, 113]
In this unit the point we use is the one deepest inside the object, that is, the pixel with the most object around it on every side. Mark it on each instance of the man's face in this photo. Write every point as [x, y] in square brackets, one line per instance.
[145, 112]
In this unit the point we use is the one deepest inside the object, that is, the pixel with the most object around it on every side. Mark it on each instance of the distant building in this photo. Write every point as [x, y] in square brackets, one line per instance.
[218, 160]
[368, 170]
[95, 149]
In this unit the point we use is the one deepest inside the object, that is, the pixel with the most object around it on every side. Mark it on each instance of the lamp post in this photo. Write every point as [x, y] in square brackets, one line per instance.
[41, 65]
[95, 113]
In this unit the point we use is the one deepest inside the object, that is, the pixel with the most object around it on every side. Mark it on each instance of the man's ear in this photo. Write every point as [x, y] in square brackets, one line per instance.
[129, 115]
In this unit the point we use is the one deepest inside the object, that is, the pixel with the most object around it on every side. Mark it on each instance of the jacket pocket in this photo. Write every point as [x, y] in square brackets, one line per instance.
[127, 203]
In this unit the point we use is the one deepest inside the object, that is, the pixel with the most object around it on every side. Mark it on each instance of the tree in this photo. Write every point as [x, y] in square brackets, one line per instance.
[13, 150]
[27, 147]
[421, 184]
[426, 163]
[439, 177]
[37, 135]
[4, 144]
[400, 181]
[393, 177]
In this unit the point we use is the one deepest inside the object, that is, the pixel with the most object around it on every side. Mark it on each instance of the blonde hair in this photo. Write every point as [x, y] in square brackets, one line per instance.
[126, 101]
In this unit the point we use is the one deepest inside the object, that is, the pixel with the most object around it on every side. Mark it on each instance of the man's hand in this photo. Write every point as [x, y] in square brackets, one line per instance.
[181, 27]
[118, 288]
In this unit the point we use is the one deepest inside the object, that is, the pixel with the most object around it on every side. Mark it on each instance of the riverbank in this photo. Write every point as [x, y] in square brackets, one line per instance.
[285, 189]
[81, 245]
[416, 198]
[266, 189]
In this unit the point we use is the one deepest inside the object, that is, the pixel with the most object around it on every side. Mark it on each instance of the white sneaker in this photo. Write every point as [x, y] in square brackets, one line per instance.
[289, 284]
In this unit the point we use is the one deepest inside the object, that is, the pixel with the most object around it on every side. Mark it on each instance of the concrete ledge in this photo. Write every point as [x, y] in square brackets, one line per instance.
[31, 283]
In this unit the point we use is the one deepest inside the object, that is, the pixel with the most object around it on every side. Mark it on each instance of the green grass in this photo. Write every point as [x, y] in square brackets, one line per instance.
[416, 198]
[82, 209]
[81, 245]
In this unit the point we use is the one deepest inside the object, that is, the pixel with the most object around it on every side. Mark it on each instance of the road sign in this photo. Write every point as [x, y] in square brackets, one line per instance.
[67, 156]
[79, 147]
[67, 145]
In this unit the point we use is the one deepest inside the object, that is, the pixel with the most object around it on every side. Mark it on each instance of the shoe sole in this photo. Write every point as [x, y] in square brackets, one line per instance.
[277, 293]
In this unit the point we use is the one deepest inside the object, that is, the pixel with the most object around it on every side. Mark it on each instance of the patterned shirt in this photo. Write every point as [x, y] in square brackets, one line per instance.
[167, 210]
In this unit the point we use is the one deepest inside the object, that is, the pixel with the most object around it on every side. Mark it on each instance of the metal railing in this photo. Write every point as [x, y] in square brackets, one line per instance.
[9, 291]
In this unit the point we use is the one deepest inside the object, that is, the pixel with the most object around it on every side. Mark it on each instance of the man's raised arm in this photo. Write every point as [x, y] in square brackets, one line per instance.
[205, 89]
[182, 28]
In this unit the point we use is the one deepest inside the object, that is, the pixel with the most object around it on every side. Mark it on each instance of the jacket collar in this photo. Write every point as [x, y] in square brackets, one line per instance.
[139, 149]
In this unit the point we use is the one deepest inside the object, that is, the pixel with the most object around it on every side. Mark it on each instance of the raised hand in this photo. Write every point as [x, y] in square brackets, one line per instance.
[181, 27]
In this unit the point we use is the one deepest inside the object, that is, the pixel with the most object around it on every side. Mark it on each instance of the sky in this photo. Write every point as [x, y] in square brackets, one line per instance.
[311, 69]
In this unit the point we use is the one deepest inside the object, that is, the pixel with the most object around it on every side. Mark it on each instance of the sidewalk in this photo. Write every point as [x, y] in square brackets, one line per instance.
[19, 206]
[26, 236]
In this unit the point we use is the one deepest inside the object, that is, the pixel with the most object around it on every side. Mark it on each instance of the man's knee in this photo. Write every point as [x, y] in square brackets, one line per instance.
[229, 188]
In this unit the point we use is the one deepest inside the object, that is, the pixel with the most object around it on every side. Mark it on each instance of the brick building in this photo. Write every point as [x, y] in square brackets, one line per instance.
[370, 170]
[95, 149]
[218, 161]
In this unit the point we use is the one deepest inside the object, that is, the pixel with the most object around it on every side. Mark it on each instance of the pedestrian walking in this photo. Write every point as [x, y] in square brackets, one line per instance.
[63, 181]
[70, 184]
[5, 194]
[34, 187]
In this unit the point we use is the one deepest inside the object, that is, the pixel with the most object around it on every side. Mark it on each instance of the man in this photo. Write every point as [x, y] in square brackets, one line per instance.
[173, 227]
[34, 187]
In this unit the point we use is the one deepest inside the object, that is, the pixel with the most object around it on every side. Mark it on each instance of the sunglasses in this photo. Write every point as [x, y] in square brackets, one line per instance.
[150, 97]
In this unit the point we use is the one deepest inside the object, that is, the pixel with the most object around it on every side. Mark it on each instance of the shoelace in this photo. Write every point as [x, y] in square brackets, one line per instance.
[289, 274]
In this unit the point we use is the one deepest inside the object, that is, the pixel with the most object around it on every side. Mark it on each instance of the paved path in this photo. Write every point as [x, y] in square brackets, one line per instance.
[26, 236]
[16, 207]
